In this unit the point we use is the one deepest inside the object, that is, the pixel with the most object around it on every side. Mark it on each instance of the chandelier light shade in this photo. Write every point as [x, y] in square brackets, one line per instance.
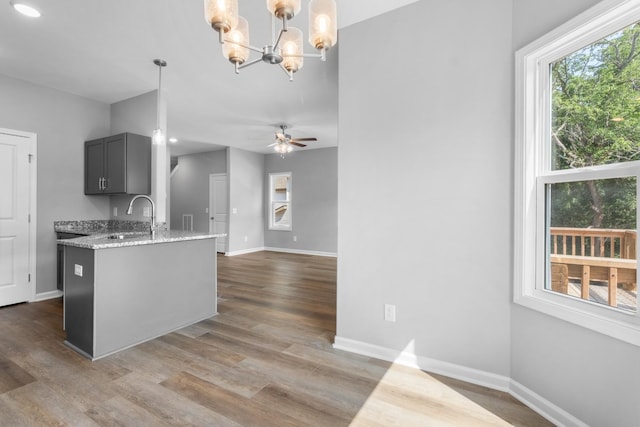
[284, 8]
[222, 15]
[292, 50]
[286, 46]
[323, 31]
[235, 49]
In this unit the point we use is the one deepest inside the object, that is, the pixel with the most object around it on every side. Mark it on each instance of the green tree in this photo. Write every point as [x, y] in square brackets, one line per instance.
[596, 121]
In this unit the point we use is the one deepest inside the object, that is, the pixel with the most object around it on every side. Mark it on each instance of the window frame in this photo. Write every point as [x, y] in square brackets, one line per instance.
[532, 170]
[288, 200]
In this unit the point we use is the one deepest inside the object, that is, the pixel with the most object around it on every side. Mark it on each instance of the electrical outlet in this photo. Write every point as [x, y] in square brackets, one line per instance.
[146, 211]
[246, 238]
[115, 211]
[77, 270]
[390, 312]
[295, 238]
[206, 210]
[234, 210]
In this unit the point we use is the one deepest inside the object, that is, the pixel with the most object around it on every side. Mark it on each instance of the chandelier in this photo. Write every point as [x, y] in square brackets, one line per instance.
[286, 46]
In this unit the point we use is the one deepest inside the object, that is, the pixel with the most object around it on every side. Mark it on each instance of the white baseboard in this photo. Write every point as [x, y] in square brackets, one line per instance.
[542, 406]
[285, 250]
[470, 375]
[302, 252]
[47, 295]
[243, 251]
[537, 403]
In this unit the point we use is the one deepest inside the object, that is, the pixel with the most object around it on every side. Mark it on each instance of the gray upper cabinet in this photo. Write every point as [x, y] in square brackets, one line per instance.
[119, 164]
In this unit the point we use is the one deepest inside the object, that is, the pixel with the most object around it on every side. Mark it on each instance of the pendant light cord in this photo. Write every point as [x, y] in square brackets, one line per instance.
[160, 63]
[159, 96]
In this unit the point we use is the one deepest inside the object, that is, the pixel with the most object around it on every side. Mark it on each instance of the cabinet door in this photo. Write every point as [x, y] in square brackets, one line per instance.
[60, 259]
[93, 166]
[115, 154]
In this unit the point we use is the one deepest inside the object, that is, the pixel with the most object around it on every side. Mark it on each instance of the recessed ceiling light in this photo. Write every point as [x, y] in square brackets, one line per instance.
[25, 9]
[173, 140]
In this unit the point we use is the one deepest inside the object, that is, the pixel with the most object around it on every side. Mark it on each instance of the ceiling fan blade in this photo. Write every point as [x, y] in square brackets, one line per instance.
[292, 142]
[304, 139]
[274, 144]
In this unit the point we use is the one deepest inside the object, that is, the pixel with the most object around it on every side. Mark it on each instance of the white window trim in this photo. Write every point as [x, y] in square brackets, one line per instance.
[532, 110]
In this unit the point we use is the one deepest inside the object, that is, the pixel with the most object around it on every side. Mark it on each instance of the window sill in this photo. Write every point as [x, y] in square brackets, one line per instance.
[613, 323]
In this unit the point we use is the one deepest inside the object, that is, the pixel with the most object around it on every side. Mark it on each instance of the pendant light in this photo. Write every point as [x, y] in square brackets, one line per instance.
[158, 136]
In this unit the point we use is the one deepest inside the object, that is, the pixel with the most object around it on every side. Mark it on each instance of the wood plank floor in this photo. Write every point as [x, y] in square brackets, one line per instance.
[265, 360]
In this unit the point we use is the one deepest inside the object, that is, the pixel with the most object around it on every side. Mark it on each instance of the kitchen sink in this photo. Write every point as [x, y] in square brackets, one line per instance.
[124, 236]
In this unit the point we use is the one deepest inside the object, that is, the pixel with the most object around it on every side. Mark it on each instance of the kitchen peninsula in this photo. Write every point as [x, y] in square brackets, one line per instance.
[124, 288]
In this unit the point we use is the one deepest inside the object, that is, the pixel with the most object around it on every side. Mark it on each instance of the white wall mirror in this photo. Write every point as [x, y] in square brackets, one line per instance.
[280, 201]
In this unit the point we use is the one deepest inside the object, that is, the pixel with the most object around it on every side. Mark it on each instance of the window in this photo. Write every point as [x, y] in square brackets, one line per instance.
[280, 201]
[577, 171]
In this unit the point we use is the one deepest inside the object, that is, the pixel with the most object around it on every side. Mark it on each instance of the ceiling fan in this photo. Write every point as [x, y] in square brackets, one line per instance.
[284, 142]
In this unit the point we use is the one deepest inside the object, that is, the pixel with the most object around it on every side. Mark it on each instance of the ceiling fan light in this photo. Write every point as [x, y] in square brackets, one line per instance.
[222, 15]
[236, 41]
[283, 8]
[323, 29]
[292, 50]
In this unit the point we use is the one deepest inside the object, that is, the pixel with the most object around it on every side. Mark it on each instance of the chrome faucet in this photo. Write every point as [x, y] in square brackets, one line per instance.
[153, 211]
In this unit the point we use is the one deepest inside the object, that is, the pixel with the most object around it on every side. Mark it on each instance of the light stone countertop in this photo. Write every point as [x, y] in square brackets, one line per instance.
[102, 241]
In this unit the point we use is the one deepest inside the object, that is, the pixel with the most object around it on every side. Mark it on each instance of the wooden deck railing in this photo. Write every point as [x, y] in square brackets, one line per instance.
[587, 254]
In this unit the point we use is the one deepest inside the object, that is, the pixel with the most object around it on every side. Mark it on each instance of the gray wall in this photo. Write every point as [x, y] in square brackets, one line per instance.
[246, 190]
[588, 374]
[63, 122]
[314, 200]
[190, 187]
[424, 182]
[136, 115]
[441, 251]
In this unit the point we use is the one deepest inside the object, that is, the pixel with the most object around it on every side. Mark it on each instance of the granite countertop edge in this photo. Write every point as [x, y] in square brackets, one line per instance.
[102, 241]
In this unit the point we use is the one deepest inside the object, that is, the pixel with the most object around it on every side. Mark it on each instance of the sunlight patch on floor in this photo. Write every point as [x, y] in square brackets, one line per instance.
[407, 396]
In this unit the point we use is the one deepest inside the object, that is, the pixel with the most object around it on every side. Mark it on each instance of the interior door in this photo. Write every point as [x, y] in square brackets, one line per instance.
[15, 185]
[218, 208]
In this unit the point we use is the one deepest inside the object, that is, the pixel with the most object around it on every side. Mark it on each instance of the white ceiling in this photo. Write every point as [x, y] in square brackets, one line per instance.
[104, 50]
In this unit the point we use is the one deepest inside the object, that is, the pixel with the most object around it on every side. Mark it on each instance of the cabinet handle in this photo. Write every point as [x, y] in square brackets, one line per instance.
[105, 183]
[100, 183]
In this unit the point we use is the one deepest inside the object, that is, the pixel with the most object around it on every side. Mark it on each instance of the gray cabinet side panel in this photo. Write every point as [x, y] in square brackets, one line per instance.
[78, 298]
[138, 164]
[146, 291]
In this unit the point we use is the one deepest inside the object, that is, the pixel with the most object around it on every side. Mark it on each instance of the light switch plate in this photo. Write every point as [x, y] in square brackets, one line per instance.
[234, 210]
[77, 270]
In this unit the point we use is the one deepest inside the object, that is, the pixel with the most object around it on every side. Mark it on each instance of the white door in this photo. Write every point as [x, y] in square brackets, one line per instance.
[218, 208]
[15, 199]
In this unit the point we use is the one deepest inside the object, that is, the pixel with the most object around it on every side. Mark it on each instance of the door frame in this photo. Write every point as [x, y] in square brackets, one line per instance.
[211, 176]
[32, 144]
